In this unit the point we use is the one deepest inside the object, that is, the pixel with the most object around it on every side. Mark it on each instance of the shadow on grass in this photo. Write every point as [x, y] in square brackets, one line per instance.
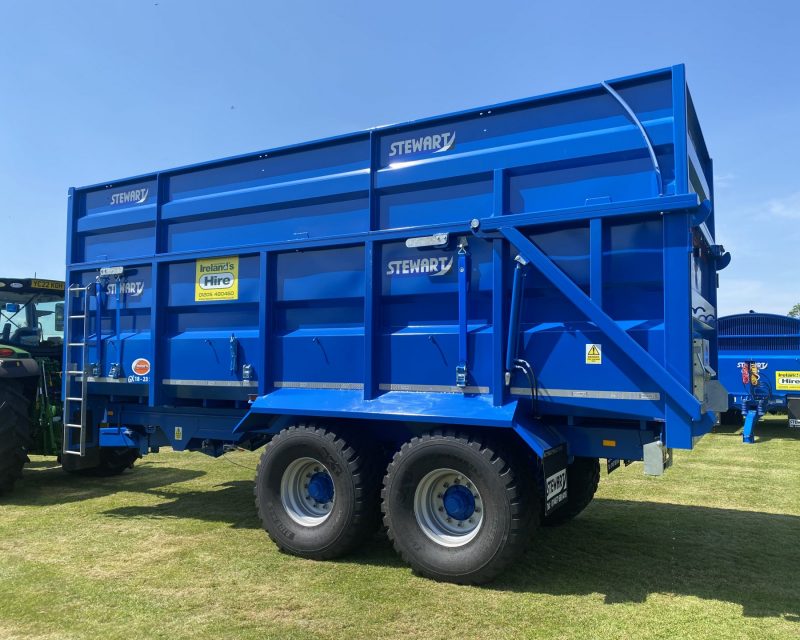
[770, 429]
[628, 550]
[45, 483]
[624, 550]
[229, 502]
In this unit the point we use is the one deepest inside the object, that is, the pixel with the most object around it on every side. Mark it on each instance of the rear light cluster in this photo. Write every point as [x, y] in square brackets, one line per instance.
[5, 352]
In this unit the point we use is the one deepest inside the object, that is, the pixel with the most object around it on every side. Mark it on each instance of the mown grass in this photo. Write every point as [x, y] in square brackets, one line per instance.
[174, 550]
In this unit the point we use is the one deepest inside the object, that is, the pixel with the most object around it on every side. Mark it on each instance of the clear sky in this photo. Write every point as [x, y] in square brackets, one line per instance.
[96, 90]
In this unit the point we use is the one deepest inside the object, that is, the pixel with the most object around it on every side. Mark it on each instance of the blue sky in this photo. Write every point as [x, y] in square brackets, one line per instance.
[92, 91]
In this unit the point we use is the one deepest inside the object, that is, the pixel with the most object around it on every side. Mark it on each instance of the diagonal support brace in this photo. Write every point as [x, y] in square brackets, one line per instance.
[635, 352]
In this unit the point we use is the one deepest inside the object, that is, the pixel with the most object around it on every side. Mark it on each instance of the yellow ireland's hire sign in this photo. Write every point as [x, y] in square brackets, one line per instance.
[217, 279]
[787, 380]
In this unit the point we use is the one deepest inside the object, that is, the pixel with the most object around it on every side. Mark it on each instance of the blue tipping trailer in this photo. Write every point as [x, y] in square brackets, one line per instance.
[759, 364]
[476, 307]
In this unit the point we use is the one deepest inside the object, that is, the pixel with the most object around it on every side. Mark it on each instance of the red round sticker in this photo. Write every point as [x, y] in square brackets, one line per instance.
[141, 366]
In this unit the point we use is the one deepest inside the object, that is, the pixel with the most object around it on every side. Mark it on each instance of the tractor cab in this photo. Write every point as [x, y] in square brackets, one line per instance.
[32, 316]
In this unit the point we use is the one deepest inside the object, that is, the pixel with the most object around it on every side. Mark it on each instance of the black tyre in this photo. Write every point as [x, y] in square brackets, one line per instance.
[317, 492]
[456, 509]
[583, 477]
[14, 433]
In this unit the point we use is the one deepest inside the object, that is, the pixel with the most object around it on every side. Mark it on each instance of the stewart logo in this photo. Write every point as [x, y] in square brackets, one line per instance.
[437, 143]
[134, 196]
[135, 288]
[430, 266]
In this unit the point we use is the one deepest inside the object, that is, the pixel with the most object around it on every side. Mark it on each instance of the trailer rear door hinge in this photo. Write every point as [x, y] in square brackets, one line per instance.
[461, 375]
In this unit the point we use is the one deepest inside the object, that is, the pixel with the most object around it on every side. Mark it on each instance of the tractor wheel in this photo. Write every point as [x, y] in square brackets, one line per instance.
[316, 492]
[583, 476]
[456, 509]
[14, 433]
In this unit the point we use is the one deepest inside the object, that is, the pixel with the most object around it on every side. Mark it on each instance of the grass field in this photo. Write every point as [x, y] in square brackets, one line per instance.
[173, 550]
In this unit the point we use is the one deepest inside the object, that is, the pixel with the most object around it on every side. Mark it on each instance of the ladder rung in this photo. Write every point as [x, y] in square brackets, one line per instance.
[77, 288]
[76, 344]
[74, 373]
[72, 453]
[74, 426]
[75, 399]
[76, 317]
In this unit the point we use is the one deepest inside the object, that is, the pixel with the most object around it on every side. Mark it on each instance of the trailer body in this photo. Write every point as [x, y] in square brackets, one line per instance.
[545, 266]
[759, 361]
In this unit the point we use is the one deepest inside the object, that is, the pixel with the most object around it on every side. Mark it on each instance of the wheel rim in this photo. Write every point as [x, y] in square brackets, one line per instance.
[307, 492]
[448, 507]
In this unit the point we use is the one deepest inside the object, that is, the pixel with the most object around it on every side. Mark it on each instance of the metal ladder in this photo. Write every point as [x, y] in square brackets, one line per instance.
[76, 371]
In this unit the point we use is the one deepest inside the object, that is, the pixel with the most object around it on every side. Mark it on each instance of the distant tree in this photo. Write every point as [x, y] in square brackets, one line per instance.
[795, 311]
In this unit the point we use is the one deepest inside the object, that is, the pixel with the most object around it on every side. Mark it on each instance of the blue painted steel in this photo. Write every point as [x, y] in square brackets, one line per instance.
[118, 437]
[759, 364]
[459, 503]
[516, 300]
[462, 371]
[320, 487]
[750, 419]
[333, 316]
[643, 131]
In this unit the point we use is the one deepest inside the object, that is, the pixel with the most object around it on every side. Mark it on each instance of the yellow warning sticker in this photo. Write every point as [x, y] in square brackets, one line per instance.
[594, 354]
[787, 380]
[217, 279]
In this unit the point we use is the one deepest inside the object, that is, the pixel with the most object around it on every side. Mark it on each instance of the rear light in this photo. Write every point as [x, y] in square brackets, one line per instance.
[5, 352]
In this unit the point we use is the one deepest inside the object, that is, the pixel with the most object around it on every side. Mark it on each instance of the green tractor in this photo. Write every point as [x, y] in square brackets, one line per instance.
[31, 353]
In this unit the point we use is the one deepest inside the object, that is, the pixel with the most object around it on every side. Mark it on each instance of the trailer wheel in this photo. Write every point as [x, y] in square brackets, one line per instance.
[456, 510]
[316, 492]
[14, 433]
[583, 477]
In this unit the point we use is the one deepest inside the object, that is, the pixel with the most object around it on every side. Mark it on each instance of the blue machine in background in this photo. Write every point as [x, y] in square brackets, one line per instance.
[759, 364]
[537, 277]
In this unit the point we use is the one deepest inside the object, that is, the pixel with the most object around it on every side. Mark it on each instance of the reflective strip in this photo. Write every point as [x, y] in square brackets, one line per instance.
[105, 379]
[355, 386]
[590, 395]
[352, 386]
[434, 388]
[213, 383]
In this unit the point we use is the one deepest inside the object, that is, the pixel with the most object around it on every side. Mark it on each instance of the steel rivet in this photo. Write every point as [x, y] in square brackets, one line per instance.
[446, 484]
[441, 508]
[477, 509]
[449, 519]
[460, 524]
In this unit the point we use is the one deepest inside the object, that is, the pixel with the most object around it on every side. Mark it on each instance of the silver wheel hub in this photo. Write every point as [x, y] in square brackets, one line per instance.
[448, 507]
[307, 492]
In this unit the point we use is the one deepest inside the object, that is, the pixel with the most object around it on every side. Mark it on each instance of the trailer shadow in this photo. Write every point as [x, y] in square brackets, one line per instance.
[770, 429]
[625, 550]
[228, 502]
[44, 483]
[628, 550]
